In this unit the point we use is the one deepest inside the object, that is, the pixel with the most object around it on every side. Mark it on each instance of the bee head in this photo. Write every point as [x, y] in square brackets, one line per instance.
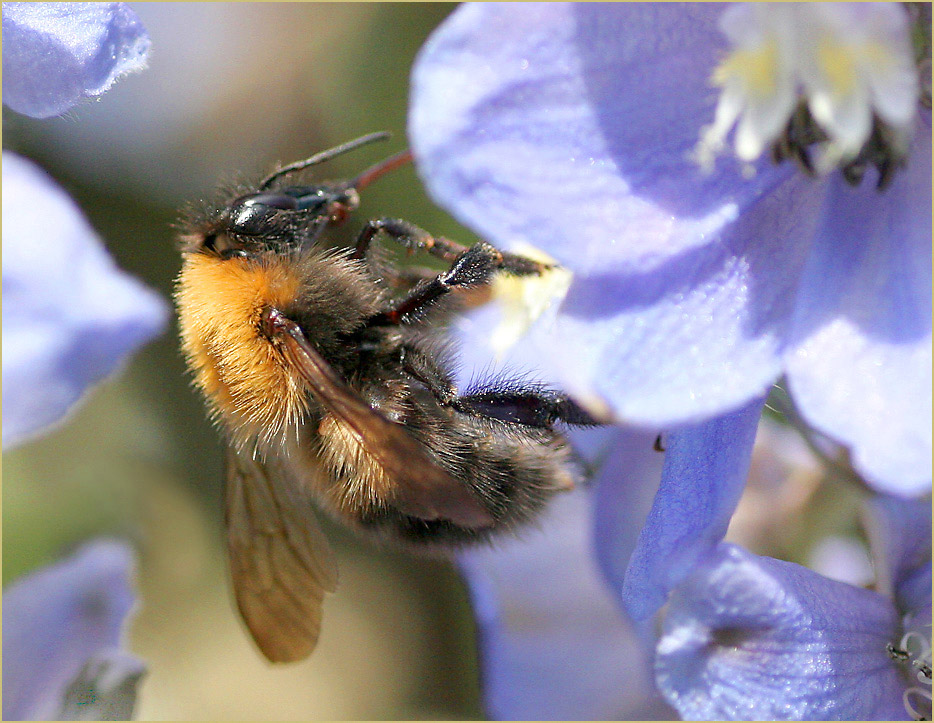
[284, 218]
[272, 220]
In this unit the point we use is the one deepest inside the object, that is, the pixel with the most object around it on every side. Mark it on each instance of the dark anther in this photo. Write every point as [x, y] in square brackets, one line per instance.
[896, 653]
[802, 133]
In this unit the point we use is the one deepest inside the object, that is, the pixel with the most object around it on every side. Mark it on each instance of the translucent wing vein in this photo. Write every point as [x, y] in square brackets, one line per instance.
[280, 561]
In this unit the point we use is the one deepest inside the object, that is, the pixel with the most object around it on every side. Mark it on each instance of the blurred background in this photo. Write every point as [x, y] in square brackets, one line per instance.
[231, 90]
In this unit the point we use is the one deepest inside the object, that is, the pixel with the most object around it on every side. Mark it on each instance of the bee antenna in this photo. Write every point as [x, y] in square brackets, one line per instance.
[380, 169]
[324, 156]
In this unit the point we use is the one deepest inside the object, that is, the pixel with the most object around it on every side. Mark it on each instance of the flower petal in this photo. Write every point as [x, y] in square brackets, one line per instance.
[752, 638]
[850, 54]
[843, 559]
[625, 490]
[56, 54]
[700, 336]
[70, 316]
[569, 127]
[900, 535]
[552, 634]
[553, 643]
[55, 619]
[757, 79]
[859, 367]
[704, 474]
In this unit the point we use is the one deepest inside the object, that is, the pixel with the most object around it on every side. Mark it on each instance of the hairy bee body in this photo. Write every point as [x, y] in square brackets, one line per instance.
[260, 400]
[249, 387]
[331, 386]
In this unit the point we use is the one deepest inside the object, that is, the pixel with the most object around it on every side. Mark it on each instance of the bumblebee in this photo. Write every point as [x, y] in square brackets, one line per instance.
[328, 373]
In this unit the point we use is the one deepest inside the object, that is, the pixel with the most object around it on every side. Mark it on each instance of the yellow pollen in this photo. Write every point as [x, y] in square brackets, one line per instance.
[838, 65]
[756, 69]
[524, 299]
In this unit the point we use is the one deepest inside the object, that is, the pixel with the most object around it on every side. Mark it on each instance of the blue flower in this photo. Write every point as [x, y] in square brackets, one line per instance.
[747, 637]
[70, 316]
[742, 637]
[57, 54]
[753, 638]
[554, 643]
[596, 133]
[577, 128]
[62, 630]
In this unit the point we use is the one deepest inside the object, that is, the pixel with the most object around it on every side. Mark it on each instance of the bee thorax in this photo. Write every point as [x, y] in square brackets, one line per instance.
[233, 361]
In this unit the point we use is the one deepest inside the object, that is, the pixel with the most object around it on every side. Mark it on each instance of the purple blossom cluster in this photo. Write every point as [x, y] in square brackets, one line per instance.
[595, 132]
[70, 318]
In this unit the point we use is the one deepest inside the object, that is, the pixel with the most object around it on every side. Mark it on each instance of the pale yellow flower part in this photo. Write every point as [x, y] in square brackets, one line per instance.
[849, 61]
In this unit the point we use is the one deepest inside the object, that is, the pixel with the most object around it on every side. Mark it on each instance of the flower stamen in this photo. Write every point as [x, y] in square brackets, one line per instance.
[827, 86]
[919, 657]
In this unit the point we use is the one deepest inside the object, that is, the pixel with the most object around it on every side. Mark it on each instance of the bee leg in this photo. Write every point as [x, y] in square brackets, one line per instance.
[405, 278]
[417, 239]
[422, 366]
[472, 267]
[533, 407]
[409, 235]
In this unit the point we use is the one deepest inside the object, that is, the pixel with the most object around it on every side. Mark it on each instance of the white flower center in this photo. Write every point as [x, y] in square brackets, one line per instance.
[850, 63]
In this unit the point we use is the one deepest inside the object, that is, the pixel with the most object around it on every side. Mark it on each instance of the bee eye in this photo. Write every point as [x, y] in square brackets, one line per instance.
[254, 214]
[222, 245]
[271, 200]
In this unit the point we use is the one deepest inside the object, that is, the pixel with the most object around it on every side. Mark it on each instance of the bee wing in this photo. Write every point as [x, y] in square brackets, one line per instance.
[422, 488]
[280, 560]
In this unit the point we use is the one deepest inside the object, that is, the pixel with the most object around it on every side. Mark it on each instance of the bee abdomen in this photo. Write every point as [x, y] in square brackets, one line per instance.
[513, 471]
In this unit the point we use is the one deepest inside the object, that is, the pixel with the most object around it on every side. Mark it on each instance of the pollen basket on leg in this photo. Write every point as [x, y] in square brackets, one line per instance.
[248, 386]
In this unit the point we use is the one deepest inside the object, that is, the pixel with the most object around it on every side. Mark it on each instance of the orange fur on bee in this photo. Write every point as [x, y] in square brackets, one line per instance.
[241, 373]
